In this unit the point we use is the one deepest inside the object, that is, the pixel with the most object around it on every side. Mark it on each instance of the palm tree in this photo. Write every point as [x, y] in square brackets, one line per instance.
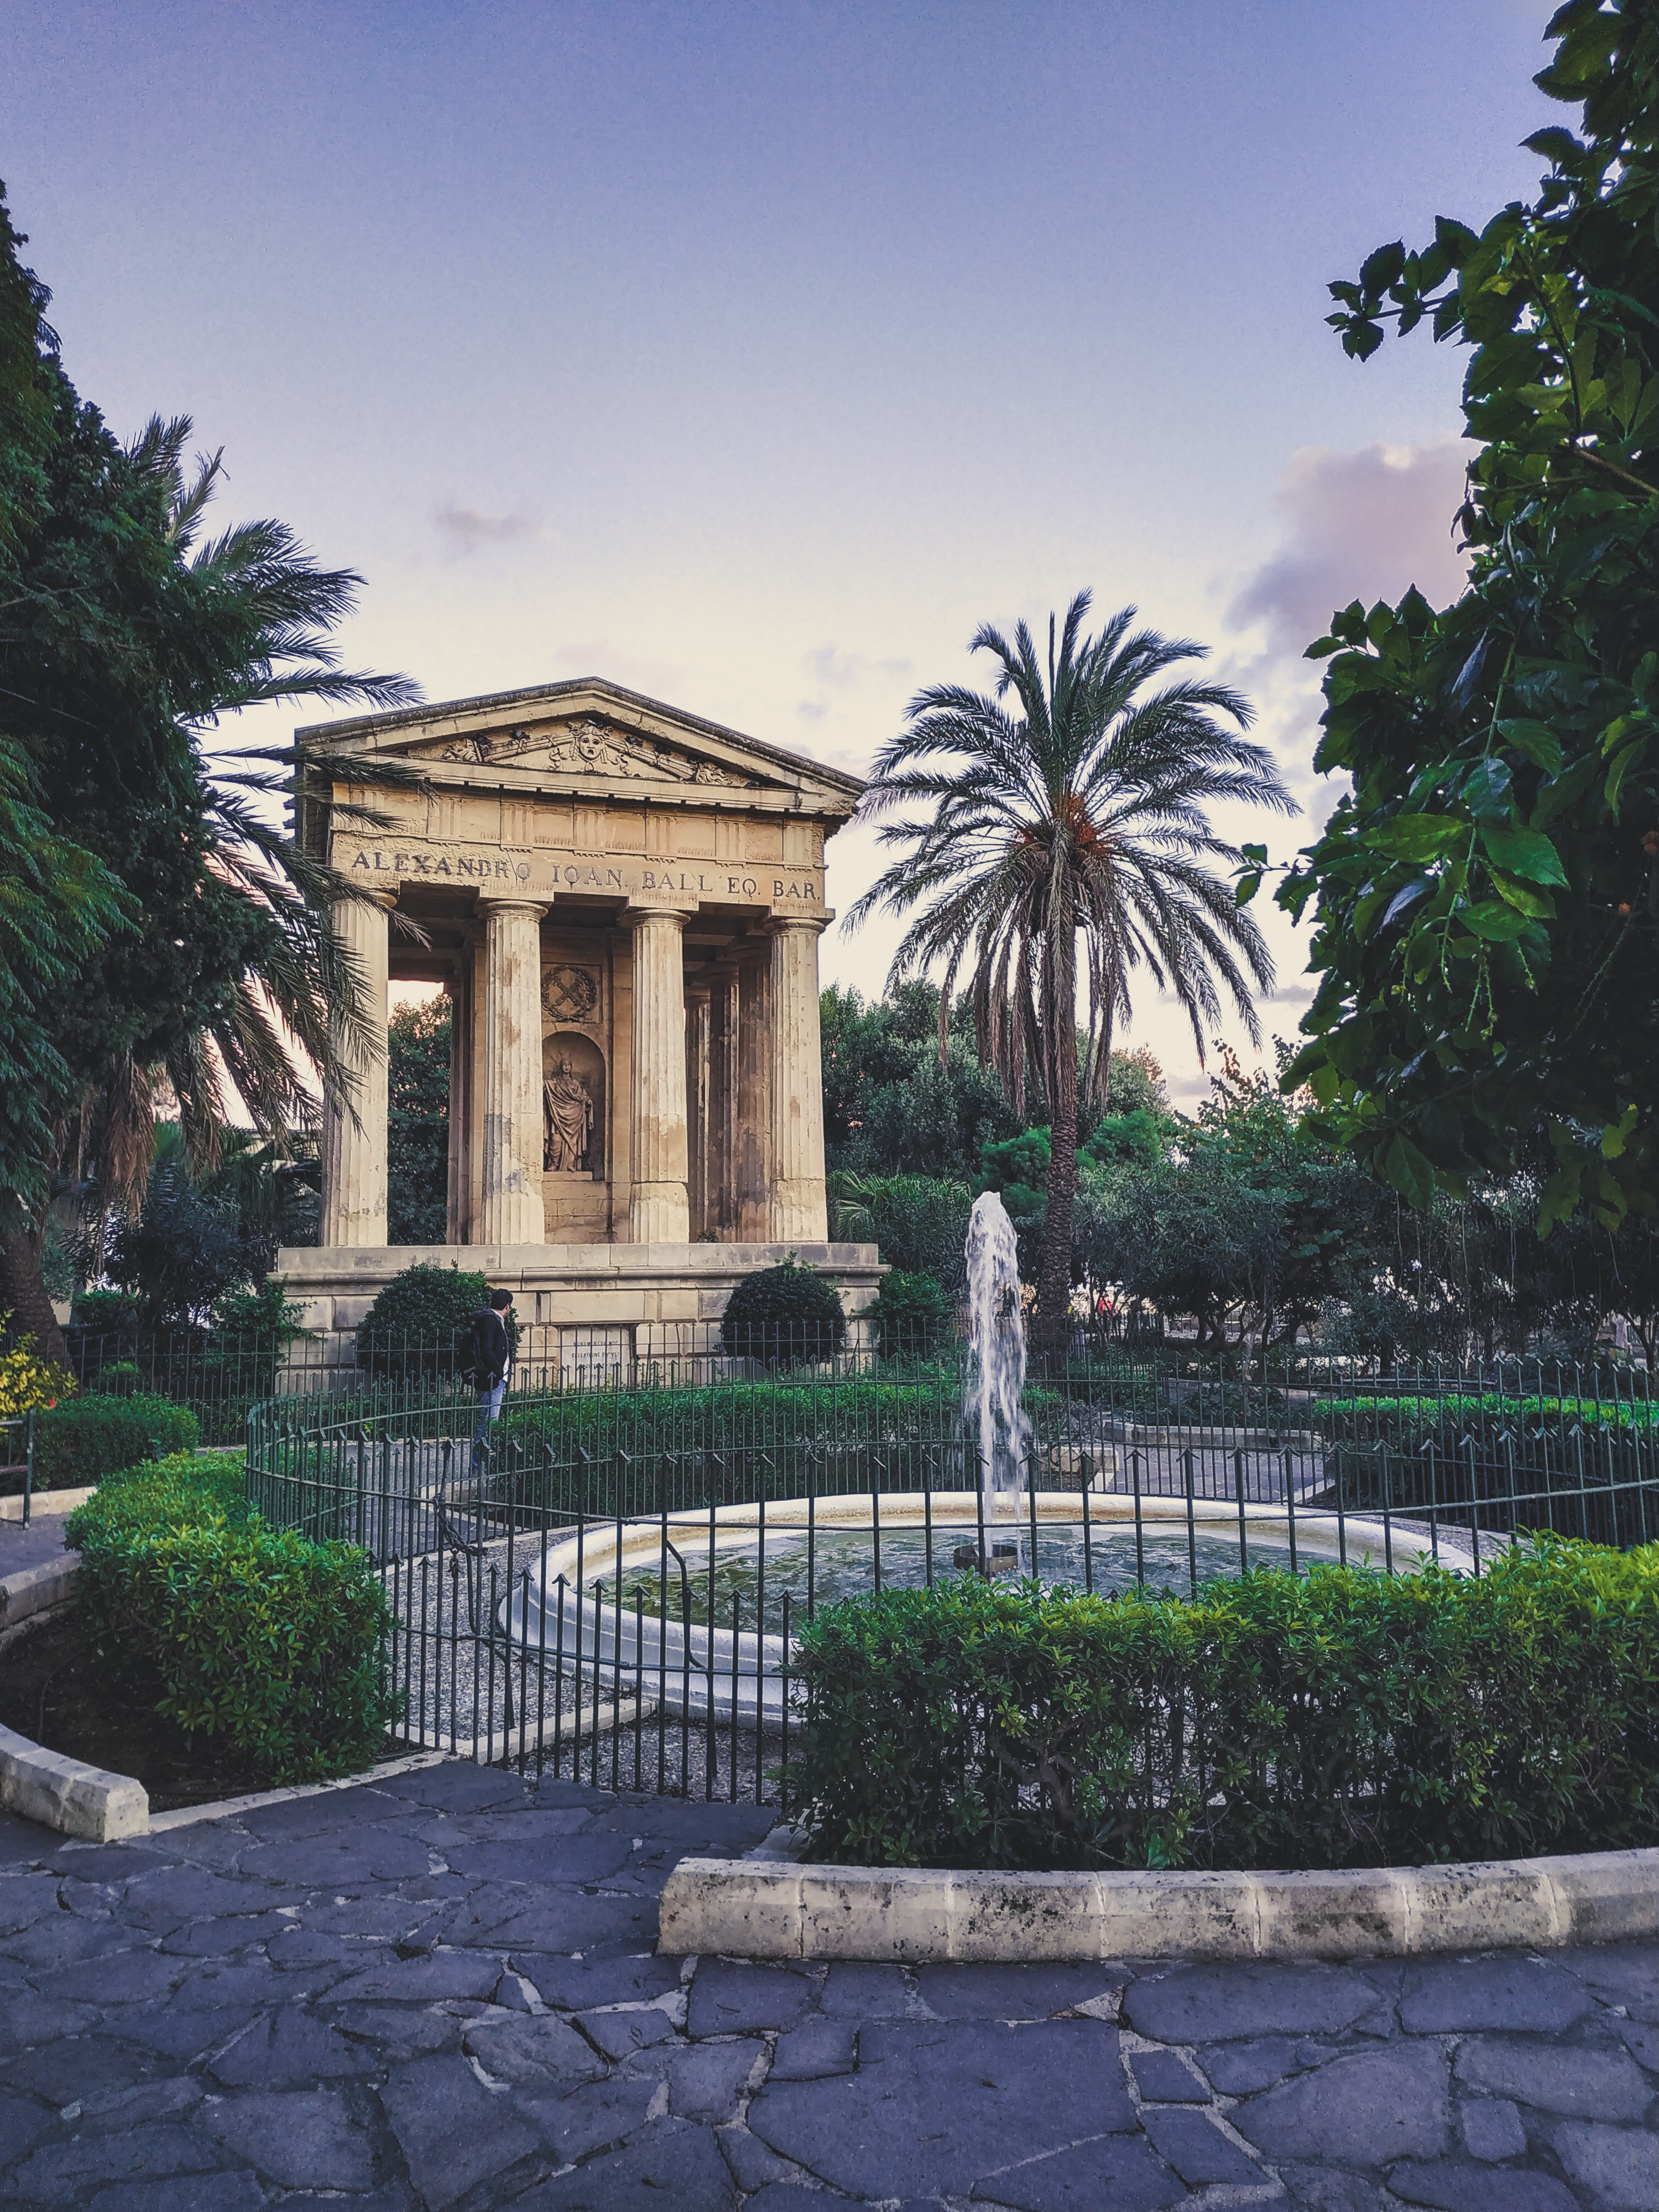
[1070, 802]
[269, 988]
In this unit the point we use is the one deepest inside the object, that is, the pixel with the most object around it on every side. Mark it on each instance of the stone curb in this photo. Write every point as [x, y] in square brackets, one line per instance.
[37, 1590]
[60, 1793]
[46, 1504]
[747, 1908]
[90, 1802]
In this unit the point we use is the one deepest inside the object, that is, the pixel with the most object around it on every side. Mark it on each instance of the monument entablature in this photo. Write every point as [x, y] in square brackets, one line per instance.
[622, 903]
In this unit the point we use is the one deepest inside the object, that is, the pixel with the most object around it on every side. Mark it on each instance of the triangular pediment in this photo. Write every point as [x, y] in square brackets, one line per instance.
[585, 745]
[590, 733]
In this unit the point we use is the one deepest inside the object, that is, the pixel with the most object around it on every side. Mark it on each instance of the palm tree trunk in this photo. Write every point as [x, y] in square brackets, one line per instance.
[1052, 1320]
[24, 1293]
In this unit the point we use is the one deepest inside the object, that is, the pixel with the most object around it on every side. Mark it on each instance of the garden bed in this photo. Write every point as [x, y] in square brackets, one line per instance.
[55, 1690]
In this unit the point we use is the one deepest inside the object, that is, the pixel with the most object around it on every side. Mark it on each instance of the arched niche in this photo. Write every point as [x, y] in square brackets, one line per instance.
[573, 1062]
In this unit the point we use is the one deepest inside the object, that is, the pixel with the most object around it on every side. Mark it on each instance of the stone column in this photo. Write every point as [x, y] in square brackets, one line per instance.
[353, 1150]
[659, 1211]
[512, 1130]
[698, 1181]
[752, 1144]
[723, 1108]
[797, 1212]
[456, 1228]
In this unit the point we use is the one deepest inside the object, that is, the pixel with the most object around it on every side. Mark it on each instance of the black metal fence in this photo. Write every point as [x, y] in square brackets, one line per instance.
[605, 1583]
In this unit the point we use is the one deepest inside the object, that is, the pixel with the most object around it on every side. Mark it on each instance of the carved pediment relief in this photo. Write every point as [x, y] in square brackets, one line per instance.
[587, 748]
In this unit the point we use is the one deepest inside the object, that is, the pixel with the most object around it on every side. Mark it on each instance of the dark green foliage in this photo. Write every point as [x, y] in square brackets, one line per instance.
[919, 1223]
[104, 1312]
[418, 1326]
[418, 1123]
[266, 1640]
[1337, 1719]
[182, 1255]
[1486, 893]
[914, 1316]
[889, 1106]
[90, 1435]
[639, 1451]
[783, 1314]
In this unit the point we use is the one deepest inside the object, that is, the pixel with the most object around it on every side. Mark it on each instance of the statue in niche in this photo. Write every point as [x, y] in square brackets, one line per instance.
[567, 1108]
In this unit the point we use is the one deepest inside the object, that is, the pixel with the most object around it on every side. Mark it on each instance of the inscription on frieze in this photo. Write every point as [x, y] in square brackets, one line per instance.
[473, 867]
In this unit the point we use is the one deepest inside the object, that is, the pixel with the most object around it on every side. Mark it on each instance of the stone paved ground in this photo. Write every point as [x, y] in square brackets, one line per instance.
[31, 1547]
[440, 1991]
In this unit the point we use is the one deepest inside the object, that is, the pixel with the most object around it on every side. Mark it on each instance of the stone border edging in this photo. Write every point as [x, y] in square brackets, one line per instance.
[46, 1504]
[746, 1908]
[37, 1590]
[61, 1793]
[90, 1802]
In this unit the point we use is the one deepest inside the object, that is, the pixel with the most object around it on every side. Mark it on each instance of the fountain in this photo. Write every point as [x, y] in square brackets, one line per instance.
[992, 1403]
[634, 1606]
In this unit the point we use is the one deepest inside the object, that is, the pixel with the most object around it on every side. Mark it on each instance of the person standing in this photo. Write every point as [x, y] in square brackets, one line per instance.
[490, 1353]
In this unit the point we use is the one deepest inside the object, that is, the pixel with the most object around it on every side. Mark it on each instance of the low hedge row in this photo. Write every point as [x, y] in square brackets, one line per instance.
[89, 1437]
[1339, 1719]
[1485, 1414]
[264, 1639]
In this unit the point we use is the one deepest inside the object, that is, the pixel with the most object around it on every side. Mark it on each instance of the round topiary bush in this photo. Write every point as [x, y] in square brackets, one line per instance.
[914, 1315]
[783, 1316]
[417, 1328]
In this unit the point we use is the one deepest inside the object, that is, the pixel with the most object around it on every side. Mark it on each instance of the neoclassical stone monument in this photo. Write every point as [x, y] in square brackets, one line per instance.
[623, 904]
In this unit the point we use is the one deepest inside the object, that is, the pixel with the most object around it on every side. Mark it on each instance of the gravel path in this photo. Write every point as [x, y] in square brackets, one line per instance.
[438, 1992]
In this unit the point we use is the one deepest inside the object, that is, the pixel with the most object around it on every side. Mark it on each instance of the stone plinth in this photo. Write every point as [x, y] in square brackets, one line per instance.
[633, 1301]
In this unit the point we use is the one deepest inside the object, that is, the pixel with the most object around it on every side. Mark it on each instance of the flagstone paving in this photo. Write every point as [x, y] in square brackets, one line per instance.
[439, 1993]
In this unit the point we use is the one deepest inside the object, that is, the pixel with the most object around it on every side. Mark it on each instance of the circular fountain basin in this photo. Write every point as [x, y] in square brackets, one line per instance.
[645, 1633]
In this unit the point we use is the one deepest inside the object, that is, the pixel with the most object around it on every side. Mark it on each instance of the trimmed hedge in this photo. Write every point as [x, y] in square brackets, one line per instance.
[419, 1326]
[783, 1314]
[1336, 1719]
[266, 1639]
[914, 1316]
[1488, 1414]
[639, 1451]
[90, 1436]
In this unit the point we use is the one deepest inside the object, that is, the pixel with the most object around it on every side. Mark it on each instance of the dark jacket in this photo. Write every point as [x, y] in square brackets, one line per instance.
[488, 1347]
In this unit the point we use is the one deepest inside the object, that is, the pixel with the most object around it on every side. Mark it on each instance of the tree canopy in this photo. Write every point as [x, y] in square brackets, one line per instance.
[1487, 899]
[1070, 804]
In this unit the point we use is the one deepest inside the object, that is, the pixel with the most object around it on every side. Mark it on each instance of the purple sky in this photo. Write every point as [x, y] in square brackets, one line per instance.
[752, 355]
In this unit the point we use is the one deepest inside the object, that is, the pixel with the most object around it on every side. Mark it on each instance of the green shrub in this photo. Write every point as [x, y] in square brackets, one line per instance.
[86, 1438]
[641, 1451]
[1450, 1416]
[104, 1310]
[417, 1328]
[783, 1316]
[262, 1638]
[914, 1316]
[1337, 1719]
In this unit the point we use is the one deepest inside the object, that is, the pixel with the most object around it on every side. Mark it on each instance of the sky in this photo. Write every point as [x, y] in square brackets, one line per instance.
[753, 354]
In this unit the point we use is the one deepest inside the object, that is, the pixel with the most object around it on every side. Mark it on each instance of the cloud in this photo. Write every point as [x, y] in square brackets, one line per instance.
[599, 656]
[1365, 524]
[839, 670]
[465, 529]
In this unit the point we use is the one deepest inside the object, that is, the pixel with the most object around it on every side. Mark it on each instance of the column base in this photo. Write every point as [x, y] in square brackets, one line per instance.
[659, 1213]
[797, 1211]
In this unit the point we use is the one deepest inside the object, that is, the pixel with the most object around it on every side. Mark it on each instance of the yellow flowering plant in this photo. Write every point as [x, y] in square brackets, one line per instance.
[28, 1382]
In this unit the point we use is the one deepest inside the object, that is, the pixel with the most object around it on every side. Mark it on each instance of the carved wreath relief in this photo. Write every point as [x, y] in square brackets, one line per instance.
[587, 748]
[571, 994]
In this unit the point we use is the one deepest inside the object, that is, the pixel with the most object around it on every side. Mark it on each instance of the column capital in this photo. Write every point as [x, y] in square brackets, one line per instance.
[512, 902]
[633, 914]
[775, 924]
